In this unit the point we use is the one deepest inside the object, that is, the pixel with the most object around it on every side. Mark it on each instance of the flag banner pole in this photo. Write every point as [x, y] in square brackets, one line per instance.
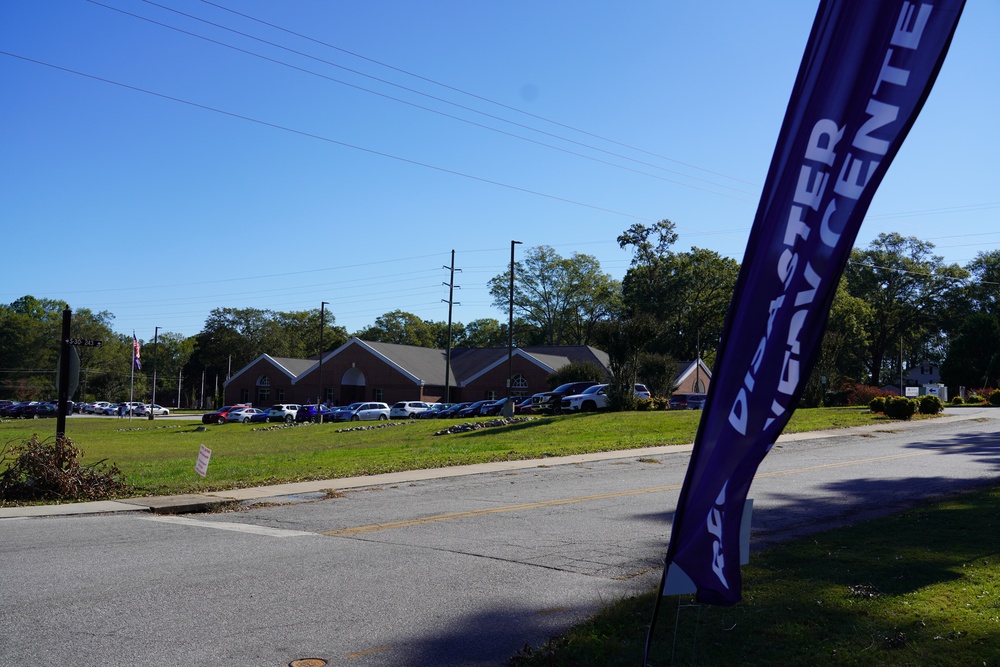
[866, 72]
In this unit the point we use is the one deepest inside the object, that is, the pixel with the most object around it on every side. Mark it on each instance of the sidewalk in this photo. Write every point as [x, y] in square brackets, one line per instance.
[187, 503]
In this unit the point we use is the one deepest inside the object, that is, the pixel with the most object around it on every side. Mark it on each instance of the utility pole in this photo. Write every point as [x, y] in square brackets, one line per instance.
[508, 407]
[319, 403]
[451, 302]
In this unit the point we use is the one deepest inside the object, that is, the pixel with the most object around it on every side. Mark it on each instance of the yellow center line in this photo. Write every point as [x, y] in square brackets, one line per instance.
[450, 516]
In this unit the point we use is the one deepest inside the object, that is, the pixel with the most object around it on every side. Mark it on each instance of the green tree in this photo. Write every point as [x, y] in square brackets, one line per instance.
[974, 353]
[658, 372]
[559, 297]
[842, 357]
[984, 286]
[689, 292]
[300, 337]
[482, 333]
[401, 328]
[624, 339]
[576, 371]
[908, 290]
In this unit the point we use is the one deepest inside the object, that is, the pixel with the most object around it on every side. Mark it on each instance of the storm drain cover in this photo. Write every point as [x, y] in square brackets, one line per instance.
[308, 662]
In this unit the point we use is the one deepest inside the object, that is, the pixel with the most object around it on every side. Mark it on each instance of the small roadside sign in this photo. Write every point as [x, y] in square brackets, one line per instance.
[204, 455]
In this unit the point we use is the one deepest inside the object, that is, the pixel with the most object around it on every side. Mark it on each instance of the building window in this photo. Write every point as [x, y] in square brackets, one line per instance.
[263, 395]
[379, 395]
[281, 396]
[246, 395]
[519, 387]
[328, 394]
[491, 395]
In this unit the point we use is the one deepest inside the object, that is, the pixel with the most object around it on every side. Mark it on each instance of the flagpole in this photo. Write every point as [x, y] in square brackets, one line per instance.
[131, 386]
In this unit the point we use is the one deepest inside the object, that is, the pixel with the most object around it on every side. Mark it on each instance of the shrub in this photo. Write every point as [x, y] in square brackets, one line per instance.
[957, 400]
[877, 404]
[644, 404]
[930, 405]
[995, 397]
[862, 394]
[51, 470]
[899, 407]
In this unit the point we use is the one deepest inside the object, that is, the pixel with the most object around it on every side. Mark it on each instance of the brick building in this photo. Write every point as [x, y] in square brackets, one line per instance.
[367, 371]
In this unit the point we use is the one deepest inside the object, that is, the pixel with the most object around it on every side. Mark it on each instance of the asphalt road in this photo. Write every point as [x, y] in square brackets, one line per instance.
[459, 571]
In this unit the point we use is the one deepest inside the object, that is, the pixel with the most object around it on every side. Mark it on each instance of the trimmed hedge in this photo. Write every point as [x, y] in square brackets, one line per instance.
[899, 407]
[930, 405]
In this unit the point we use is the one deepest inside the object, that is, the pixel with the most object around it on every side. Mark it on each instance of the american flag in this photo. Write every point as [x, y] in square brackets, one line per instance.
[135, 355]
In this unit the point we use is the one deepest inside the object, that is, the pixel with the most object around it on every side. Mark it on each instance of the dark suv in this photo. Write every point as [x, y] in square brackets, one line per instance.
[551, 401]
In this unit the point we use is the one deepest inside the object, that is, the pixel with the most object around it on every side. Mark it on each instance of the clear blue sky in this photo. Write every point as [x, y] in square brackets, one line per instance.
[347, 165]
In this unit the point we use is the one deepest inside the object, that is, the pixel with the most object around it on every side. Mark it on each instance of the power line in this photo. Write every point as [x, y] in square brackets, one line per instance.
[329, 140]
[475, 96]
[424, 108]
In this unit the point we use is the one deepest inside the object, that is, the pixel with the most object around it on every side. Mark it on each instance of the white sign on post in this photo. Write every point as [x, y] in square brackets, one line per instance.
[203, 457]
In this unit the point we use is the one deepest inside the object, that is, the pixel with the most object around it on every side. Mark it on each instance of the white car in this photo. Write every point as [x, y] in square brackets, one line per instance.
[157, 410]
[596, 398]
[283, 412]
[243, 415]
[408, 409]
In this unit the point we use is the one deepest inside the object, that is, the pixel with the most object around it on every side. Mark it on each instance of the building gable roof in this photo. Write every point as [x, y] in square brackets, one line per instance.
[686, 368]
[426, 366]
[286, 365]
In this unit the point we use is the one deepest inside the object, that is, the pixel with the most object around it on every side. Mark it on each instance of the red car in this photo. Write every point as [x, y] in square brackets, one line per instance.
[219, 416]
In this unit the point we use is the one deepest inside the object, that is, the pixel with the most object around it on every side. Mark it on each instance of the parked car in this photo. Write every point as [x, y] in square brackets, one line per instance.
[366, 411]
[408, 409]
[157, 410]
[261, 417]
[97, 407]
[242, 415]
[13, 410]
[22, 410]
[44, 409]
[596, 398]
[362, 412]
[283, 412]
[551, 401]
[452, 410]
[472, 409]
[219, 416]
[697, 401]
[687, 401]
[434, 411]
[312, 411]
[493, 409]
[524, 407]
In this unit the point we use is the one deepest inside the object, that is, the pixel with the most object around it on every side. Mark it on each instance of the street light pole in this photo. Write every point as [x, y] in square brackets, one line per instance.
[156, 348]
[508, 407]
[322, 315]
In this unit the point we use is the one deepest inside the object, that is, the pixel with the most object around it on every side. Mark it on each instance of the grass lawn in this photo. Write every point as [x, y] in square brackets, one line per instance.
[918, 588]
[158, 457]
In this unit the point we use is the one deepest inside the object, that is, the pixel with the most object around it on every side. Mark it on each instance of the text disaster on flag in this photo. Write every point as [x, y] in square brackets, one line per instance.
[866, 72]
